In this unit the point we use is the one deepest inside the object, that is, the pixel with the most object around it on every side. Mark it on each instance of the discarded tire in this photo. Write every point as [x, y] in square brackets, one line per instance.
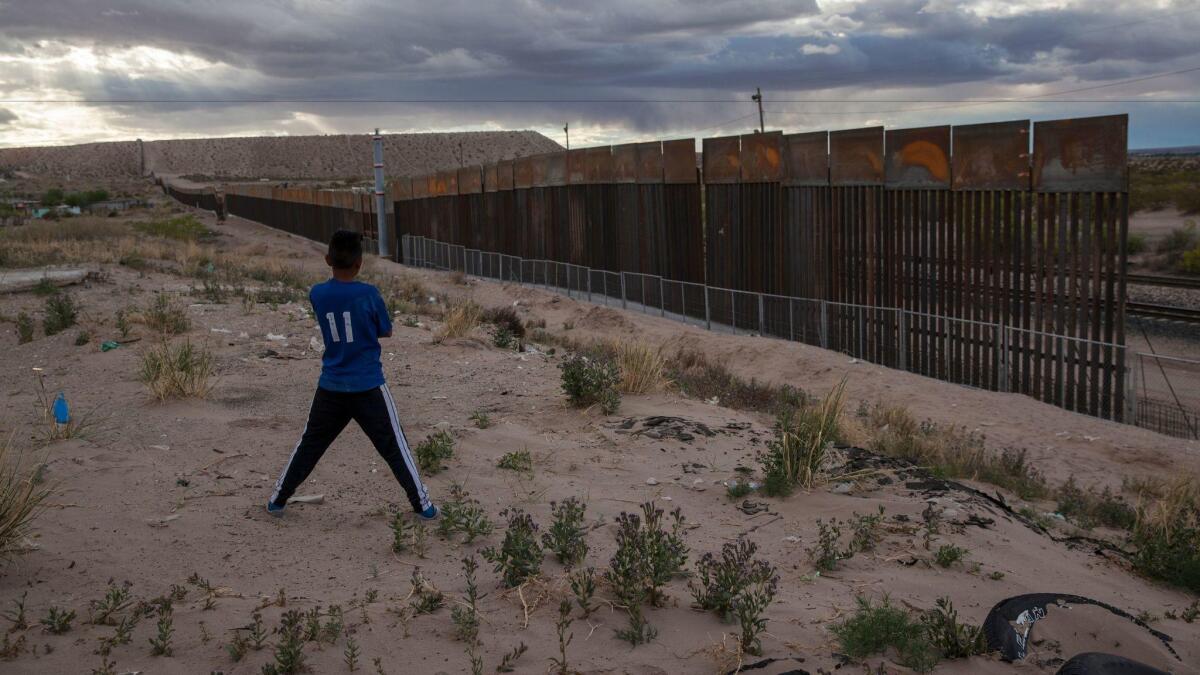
[1095, 663]
[1026, 610]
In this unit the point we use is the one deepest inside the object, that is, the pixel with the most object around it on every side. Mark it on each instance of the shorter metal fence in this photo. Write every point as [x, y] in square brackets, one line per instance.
[973, 353]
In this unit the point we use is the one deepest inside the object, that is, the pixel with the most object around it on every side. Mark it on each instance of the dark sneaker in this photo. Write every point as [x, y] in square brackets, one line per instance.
[275, 509]
[430, 513]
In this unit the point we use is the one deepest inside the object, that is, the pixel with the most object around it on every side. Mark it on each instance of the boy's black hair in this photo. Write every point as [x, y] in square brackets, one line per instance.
[345, 249]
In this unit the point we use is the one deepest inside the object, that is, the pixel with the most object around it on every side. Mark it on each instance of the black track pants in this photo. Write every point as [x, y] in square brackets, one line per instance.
[375, 413]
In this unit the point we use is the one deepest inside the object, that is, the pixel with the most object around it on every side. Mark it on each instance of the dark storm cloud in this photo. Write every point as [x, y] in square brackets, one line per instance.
[6, 117]
[642, 49]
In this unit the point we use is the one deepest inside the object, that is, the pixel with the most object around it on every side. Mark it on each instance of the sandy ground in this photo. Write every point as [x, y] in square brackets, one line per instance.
[158, 491]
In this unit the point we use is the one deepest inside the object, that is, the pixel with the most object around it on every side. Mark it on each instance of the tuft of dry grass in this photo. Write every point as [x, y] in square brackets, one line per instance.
[800, 451]
[951, 452]
[21, 497]
[183, 370]
[643, 369]
[461, 318]
[165, 317]
[696, 376]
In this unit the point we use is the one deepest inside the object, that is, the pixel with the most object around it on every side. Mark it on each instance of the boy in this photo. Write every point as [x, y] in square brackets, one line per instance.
[353, 317]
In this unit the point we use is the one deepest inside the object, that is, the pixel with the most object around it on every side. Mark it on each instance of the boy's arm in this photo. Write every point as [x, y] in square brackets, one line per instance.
[383, 321]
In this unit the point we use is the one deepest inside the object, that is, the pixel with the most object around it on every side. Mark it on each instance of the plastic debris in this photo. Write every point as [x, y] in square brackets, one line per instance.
[62, 413]
[109, 345]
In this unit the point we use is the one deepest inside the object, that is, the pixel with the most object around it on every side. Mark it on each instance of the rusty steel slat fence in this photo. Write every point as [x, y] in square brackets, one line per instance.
[990, 255]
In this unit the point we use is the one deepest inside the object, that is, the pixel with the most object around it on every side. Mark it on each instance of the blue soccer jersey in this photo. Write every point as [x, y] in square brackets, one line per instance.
[352, 316]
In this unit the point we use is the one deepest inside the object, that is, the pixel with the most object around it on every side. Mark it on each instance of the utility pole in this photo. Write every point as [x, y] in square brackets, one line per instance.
[757, 98]
[567, 131]
[380, 202]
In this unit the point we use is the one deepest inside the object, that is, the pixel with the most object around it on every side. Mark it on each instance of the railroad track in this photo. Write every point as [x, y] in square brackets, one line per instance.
[1154, 311]
[1163, 280]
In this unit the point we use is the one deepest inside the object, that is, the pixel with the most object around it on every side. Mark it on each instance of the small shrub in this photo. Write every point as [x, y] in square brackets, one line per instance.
[116, 599]
[461, 318]
[949, 554]
[559, 664]
[481, 419]
[1166, 537]
[517, 460]
[465, 615]
[588, 381]
[798, 453]
[697, 377]
[400, 532]
[1089, 508]
[24, 328]
[520, 555]
[180, 371]
[83, 338]
[719, 581]
[462, 513]
[503, 338]
[865, 531]
[45, 287]
[165, 317]
[509, 662]
[160, 644]
[434, 450]
[505, 319]
[121, 322]
[826, 554]
[61, 312]
[953, 640]
[875, 628]
[427, 599]
[647, 557]
[1136, 243]
[1189, 261]
[58, 621]
[567, 536]
[1179, 240]
[583, 586]
[289, 650]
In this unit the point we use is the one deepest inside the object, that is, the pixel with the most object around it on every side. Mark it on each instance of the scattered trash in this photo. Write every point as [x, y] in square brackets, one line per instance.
[243, 335]
[307, 499]
[276, 338]
[160, 447]
[109, 345]
[791, 538]
[62, 414]
[750, 508]
[1008, 624]
[651, 481]
[220, 330]
[852, 361]
[842, 488]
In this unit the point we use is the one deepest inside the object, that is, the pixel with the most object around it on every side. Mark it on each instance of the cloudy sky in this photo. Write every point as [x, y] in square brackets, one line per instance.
[616, 70]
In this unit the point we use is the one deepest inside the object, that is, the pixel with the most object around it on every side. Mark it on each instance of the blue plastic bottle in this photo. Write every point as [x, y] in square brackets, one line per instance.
[62, 414]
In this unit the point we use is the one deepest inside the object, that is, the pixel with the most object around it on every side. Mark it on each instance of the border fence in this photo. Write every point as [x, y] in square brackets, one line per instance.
[990, 255]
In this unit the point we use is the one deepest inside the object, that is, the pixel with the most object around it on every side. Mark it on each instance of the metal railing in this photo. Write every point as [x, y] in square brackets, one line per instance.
[973, 353]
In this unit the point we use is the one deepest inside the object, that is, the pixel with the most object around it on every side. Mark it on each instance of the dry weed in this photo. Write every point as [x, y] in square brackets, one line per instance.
[461, 318]
[643, 369]
[21, 497]
[177, 371]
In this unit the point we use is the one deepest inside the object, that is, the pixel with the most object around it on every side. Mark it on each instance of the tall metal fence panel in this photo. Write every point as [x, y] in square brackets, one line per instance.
[311, 213]
[198, 197]
[626, 208]
[992, 266]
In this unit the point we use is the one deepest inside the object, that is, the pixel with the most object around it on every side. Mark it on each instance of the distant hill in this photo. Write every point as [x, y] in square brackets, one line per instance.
[294, 157]
[1177, 150]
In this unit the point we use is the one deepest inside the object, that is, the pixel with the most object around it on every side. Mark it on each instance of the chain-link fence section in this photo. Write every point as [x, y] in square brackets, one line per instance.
[972, 353]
